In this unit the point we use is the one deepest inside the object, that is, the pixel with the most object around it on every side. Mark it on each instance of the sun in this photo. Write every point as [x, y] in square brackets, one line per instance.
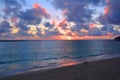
[68, 37]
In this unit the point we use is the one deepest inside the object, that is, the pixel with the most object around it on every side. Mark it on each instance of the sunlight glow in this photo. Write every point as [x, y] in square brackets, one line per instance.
[15, 30]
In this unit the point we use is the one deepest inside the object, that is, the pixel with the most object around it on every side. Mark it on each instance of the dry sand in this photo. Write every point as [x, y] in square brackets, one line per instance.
[108, 69]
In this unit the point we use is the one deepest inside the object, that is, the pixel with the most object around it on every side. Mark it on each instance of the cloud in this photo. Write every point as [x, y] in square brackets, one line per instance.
[76, 10]
[44, 12]
[95, 32]
[63, 24]
[77, 18]
[4, 27]
[79, 12]
[51, 33]
[111, 29]
[48, 24]
[19, 18]
[111, 13]
[22, 26]
[12, 6]
[11, 21]
[34, 15]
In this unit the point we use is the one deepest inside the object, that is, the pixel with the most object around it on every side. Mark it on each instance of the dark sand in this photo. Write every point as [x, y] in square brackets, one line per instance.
[108, 69]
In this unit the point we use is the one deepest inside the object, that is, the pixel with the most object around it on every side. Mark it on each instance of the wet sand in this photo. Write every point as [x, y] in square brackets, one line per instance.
[108, 69]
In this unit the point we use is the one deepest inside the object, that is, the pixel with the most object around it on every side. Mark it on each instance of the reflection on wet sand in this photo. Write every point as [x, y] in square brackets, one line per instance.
[67, 62]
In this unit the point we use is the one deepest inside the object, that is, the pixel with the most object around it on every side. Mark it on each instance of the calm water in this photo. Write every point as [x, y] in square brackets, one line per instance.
[16, 57]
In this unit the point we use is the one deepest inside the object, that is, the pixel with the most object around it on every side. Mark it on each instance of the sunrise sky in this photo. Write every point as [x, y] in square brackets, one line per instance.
[59, 19]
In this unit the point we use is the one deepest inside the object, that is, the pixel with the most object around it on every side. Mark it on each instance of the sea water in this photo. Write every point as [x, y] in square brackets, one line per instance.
[22, 56]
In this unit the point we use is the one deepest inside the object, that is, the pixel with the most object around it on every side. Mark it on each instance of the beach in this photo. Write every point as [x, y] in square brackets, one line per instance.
[107, 69]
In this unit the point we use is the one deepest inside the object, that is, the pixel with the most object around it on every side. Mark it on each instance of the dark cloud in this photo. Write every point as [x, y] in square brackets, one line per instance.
[12, 6]
[116, 32]
[95, 32]
[22, 26]
[110, 29]
[111, 17]
[4, 27]
[78, 27]
[76, 10]
[24, 33]
[63, 24]
[5, 24]
[13, 2]
[29, 17]
[48, 24]
[33, 16]
[7, 10]
[104, 28]
[11, 9]
[80, 12]
[111, 13]
[51, 33]
[22, 18]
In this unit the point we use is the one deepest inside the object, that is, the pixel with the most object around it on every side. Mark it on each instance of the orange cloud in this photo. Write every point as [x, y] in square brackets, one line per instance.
[65, 30]
[60, 27]
[92, 25]
[14, 20]
[62, 23]
[36, 5]
[107, 1]
[65, 11]
[62, 37]
[109, 34]
[53, 22]
[106, 10]
[84, 31]
[43, 10]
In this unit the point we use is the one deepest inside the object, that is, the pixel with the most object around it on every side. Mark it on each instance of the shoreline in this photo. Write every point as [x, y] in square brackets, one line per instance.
[83, 71]
[68, 63]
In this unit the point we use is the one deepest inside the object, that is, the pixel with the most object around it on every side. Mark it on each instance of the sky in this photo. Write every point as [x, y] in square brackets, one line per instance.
[59, 19]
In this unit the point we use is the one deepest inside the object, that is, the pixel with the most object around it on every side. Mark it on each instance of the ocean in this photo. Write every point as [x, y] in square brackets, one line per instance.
[22, 56]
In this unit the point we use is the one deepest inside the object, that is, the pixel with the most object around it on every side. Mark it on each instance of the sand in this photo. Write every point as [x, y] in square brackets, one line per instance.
[108, 69]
